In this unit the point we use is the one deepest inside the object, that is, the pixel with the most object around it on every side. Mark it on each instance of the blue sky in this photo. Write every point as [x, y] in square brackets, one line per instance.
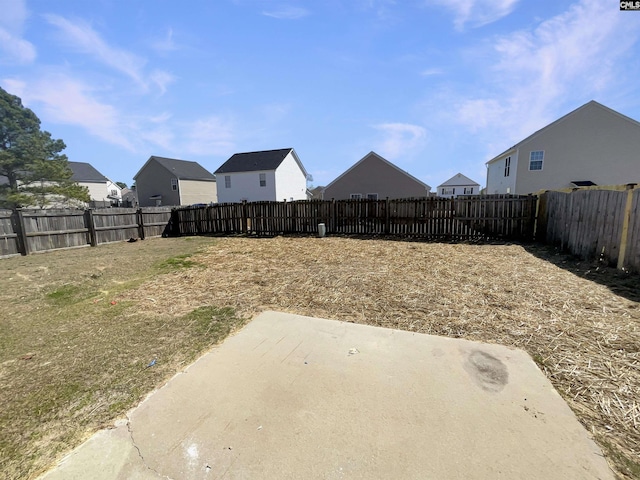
[435, 86]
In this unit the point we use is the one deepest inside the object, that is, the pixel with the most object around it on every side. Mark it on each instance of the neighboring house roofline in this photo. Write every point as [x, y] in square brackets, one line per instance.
[449, 183]
[85, 172]
[427, 187]
[258, 161]
[181, 169]
[561, 119]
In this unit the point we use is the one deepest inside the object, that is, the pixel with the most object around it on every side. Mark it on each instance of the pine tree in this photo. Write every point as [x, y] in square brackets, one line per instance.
[36, 172]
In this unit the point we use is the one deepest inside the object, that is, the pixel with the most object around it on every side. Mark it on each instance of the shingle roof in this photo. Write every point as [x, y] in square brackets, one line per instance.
[84, 172]
[458, 180]
[184, 169]
[254, 161]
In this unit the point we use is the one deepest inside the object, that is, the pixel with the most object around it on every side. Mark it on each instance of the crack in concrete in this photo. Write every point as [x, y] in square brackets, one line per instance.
[144, 462]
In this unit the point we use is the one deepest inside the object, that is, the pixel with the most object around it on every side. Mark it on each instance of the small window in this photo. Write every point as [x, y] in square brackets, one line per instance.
[227, 181]
[507, 166]
[114, 193]
[263, 179]
[372, 196]
[356, 196]
[468, 190]
[536, 159]
[174, 184]
[448, 191]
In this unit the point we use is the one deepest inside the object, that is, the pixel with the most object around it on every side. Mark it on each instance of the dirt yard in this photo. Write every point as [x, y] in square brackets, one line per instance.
[580, 322]
[81, 326]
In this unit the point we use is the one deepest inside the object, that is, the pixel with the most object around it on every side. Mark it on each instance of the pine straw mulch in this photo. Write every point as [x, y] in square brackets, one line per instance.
[584, 336]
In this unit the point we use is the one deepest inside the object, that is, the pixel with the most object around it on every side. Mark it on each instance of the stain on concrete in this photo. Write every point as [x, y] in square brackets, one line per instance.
[489, 372]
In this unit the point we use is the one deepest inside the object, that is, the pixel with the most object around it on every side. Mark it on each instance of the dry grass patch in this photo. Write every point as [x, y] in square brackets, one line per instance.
[584, 336]
[74, 356]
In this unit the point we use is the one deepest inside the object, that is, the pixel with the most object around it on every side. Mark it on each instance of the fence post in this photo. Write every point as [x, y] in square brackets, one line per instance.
[140, 222]
[244, 227]
[91, 227]
[624, 238]
[387, 217]
[18, 225]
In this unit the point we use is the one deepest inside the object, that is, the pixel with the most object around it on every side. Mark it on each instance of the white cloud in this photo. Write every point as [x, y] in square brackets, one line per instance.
[399, 139]
[166, 44]
[287, 13]
[534, 75]
[429, 72]
[61, 99]
[15, 48]
[162, 80]
[209, 136]
[82, 37]
[476, 12]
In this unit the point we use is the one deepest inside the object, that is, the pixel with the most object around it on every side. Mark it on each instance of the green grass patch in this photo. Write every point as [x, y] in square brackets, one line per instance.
[67, 295]
[178, 262]
[212, 322]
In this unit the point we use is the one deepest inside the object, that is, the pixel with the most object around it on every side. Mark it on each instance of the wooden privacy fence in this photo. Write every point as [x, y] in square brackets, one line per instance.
[465, 218]
[30, 231]
[594, 224]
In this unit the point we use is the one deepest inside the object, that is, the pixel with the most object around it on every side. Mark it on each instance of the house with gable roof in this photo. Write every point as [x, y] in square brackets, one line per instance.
[268, 175]
[170, 181]
[458, 185]
[102, 191]
[374, 177]
[592, 145]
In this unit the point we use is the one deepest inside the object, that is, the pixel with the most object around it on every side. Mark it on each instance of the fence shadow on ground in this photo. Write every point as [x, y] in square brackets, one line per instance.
[623, 283]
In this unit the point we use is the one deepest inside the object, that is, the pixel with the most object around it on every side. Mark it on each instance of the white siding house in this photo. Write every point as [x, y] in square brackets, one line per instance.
[270, 175]
[592, 145]
[458, 185]
[102, 191]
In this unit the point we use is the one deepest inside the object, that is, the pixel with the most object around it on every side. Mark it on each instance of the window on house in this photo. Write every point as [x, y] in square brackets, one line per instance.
[507, 166]
[356, 196]
[448, 191]
[174, 184]
[114, 193]
[263, 179]
[468, 190]
[372, 196]
[227, 181]
[536, 158]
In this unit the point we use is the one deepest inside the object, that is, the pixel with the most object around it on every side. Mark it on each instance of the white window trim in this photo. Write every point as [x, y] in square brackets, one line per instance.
[227, 181]
[174, 184]
[507, 166]
[262, 179]
[541, 161]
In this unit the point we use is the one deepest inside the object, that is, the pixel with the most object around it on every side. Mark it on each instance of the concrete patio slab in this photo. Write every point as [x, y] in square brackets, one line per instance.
[293, 397]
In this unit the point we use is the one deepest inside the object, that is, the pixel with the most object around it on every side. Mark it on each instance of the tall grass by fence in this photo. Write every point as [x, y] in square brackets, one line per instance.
[32, 231]
[464, 218]
[594, 223]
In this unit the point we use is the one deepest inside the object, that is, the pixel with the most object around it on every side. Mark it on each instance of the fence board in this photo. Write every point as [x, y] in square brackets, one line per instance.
[588, 223]
[429, 218]
[31, 231]
[9, 241]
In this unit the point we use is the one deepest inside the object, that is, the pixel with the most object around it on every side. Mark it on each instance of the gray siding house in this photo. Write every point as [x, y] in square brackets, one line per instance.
[376, 178]
[458, 185]
[169, 181]
[592, 145]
